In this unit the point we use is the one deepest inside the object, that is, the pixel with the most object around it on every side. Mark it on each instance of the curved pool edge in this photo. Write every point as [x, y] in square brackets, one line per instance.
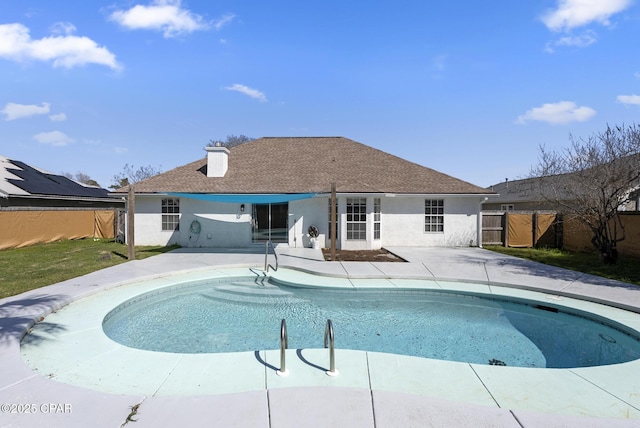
[478, 384]
[628, 408]
[316, 279]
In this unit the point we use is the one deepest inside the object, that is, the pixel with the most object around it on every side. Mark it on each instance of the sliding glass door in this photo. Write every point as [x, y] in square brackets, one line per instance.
[270, 222]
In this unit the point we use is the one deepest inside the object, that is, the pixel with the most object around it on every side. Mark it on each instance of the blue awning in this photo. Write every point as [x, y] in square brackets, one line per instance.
[246, 198]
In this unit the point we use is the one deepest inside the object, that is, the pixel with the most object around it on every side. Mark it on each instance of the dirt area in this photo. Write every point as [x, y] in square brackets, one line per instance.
[362, 256]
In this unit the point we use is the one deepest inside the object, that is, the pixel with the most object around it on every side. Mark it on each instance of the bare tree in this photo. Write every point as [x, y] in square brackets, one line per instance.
[231, 141]
[130, 175]
[81, 177]
[593, 180]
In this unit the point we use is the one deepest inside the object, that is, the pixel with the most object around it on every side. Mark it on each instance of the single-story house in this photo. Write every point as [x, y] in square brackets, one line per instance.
[277, 188]
[39, 206]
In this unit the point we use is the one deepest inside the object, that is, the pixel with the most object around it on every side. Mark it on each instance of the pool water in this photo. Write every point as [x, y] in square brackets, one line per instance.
[241, 315]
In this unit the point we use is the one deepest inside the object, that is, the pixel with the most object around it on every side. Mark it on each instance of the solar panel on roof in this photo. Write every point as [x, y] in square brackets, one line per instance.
[39, 183]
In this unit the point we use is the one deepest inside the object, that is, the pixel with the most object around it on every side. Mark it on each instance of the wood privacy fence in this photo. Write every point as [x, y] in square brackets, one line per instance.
[21, 228]
[546, 229]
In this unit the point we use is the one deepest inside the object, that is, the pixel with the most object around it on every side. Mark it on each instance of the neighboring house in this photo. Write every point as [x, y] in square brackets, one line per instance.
[276, 188]
[516, 195]
[525, 195]
[25, 186]
[38, 206]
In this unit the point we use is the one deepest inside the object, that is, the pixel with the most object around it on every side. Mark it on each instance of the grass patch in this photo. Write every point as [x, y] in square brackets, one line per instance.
[28, 268]
[626, 269]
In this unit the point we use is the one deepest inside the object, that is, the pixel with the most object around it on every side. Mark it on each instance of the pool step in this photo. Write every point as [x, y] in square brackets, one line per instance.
[248, 292]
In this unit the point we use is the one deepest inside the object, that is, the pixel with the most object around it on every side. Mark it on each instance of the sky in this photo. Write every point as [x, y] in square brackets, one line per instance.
[471, 89]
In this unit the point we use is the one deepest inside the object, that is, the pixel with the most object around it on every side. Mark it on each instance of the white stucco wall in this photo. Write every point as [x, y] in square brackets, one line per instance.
[221, 224]
[304, 213]
[224, 225]
[148, 223]
[403, 222]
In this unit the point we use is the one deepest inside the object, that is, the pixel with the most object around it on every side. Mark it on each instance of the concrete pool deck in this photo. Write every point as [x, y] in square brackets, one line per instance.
[373, 389]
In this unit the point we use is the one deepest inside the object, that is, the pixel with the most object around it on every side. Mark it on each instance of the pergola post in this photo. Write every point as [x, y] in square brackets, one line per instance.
[131, 209]
[334, 221]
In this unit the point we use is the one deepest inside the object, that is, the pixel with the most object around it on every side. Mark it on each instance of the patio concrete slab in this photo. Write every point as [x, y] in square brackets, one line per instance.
[361, 270]
[406, 270]
[414, 411]
[458, 263]
[60, 354]
[531, 419]
[415, 284]
[616, 381]
[225, 374]
[241, 410]
[321, 407]
[40, 402]
[371, 283]
[130, 371]
[434, 378]
[546, 391]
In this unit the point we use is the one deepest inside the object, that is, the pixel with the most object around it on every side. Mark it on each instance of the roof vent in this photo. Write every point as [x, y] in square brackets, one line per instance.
[217, 161]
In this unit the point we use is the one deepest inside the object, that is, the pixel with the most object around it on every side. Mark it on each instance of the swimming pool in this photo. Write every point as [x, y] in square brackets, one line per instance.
[241, 314]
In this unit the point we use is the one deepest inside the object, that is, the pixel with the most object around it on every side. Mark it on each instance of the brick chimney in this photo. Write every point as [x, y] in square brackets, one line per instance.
[217, 161]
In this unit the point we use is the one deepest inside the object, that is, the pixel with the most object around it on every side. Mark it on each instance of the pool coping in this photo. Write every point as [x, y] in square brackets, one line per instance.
[467, 264]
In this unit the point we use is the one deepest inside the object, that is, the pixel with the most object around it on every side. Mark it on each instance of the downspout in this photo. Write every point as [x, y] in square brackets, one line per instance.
[479, 232]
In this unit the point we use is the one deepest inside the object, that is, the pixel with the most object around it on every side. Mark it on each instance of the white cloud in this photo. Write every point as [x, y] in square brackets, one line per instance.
[557, 113]
[581, 41]
[65, 28]
[53, 138]
[571, 14]
[62, 50]
[225, 20]
[165, 15]
[253, 93]
[60, 117]
[13, 111]
[629, 99]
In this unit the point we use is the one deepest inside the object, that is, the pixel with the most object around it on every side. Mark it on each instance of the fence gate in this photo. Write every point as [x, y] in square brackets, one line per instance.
[493, 228]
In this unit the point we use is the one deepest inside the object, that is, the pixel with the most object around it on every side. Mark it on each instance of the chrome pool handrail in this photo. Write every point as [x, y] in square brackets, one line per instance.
[329, 340]
[284, 343]
[266, 253]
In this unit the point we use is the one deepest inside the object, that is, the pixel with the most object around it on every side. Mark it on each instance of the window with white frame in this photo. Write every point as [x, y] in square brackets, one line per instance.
[376, 218]
[171, 214]
[508, 207]
[356, 218]
[434, 215]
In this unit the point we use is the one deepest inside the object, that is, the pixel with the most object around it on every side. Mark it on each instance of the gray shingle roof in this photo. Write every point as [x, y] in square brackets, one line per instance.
[308, 165]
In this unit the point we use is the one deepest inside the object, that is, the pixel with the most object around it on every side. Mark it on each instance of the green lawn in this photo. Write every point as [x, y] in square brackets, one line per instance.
[626, 269]
[24, 269]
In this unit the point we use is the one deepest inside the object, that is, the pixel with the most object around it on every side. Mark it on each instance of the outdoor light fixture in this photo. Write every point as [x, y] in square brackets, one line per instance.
[241, 208]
